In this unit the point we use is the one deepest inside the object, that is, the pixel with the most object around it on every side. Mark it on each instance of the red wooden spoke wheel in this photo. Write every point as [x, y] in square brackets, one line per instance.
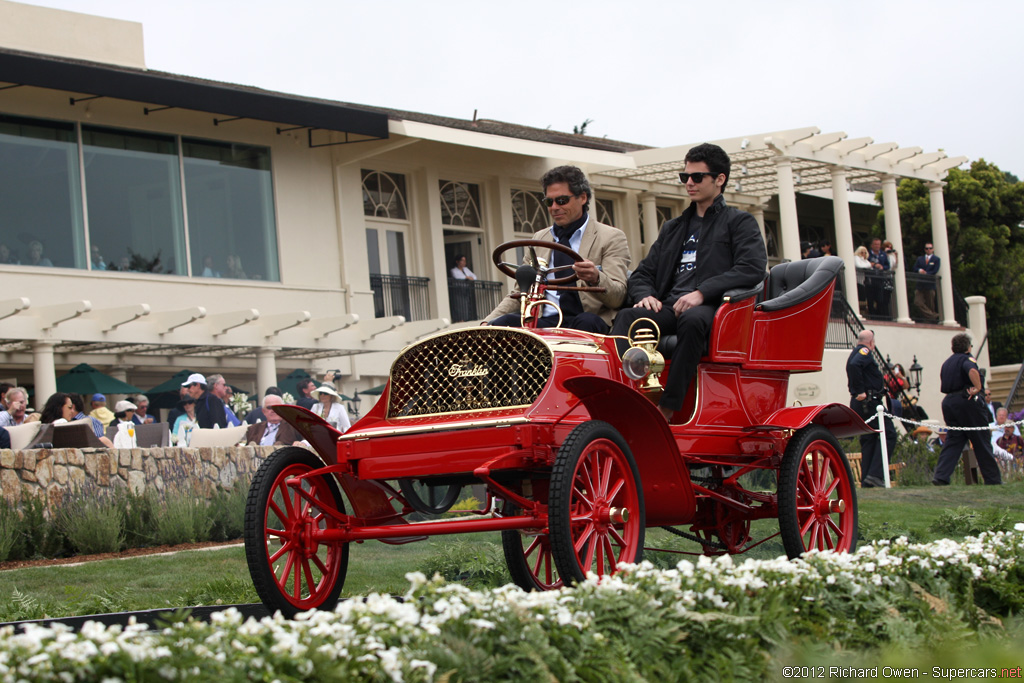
[817, 500]
[528, 556]
[596, 507]
[290, 570]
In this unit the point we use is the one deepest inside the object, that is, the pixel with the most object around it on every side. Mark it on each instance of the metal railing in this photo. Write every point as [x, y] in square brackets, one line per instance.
[843, 323]
[400, 295]
[471, 300]
[926, 308]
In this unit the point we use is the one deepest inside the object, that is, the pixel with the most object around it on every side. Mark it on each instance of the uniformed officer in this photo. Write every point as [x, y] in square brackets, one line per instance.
[866, 385]
[964, 406]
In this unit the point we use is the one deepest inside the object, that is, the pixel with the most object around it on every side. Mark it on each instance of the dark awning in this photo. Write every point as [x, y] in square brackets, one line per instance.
[171, 90]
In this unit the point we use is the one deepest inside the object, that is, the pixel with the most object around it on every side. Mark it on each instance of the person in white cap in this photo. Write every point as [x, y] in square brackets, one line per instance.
[209, 408]
[331, 408]
[124, 411]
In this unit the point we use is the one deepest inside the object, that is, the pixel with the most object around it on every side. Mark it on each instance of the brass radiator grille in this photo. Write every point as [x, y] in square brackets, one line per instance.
[478, 369]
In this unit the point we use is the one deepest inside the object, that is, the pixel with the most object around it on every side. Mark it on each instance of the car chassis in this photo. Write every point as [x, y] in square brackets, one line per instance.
[562, 431]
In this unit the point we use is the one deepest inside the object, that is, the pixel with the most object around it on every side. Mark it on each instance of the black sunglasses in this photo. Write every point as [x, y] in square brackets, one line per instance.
[698, 177]
[561, 201]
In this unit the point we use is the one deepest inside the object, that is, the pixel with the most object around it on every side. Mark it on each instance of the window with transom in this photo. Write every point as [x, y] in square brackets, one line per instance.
[528, 212]
[384, 195]
[460, 203]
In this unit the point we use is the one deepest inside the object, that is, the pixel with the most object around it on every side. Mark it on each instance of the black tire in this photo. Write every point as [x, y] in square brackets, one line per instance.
[597, 446]
[528, 557]
[414, 489]
[276, 573]
[817, 498]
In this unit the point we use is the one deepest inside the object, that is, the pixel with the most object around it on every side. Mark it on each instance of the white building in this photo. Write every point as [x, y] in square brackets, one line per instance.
[154, 222]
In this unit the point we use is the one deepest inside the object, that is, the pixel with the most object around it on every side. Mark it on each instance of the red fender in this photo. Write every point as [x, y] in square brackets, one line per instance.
[839, 419]
[668, 494]
[369, 501]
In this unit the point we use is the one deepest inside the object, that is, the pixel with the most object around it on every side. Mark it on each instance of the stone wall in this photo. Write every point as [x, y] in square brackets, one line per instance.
[51, 474]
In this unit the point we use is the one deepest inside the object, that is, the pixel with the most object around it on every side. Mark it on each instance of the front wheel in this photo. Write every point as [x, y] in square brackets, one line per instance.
[817, 500]
[596, 504]
[290, 570]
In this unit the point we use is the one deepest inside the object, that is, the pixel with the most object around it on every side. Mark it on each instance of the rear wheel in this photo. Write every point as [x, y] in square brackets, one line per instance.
[817, 500]
[596, 507]
[430, 499]
[529, 558]
[290, 570]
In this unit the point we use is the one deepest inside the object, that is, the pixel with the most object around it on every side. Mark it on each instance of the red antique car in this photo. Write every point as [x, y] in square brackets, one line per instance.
[563, 434]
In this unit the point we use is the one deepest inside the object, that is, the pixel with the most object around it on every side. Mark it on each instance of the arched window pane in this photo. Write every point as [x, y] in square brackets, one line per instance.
[528, 211]
[460, 203]
[384, 195]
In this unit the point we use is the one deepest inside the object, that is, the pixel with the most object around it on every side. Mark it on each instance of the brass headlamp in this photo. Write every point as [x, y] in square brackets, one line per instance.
[643, 360]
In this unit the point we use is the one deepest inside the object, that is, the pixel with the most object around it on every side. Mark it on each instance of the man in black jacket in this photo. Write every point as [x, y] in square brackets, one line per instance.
[209, 408]
[697, 257]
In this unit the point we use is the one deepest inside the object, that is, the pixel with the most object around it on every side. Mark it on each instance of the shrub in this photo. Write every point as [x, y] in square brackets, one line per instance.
[918, 461]
[140, 511]
[93, 521]
[37, 536]
[964, 521]
[182, 518]
[227, 512]
[478, 565]
[10, 527]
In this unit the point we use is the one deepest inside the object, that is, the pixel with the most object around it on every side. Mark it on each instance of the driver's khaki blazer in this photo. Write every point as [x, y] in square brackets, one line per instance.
[606, 247]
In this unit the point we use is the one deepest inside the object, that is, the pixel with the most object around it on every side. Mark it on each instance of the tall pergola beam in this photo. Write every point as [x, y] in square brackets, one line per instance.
[224, 322]
[168, 321]
[112, 318]
[51, 316]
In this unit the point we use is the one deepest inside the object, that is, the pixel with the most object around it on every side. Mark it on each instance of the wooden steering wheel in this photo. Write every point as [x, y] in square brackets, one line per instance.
[510, 268]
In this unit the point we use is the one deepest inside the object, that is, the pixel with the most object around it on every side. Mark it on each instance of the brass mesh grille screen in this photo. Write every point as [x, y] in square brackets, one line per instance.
[469, 370]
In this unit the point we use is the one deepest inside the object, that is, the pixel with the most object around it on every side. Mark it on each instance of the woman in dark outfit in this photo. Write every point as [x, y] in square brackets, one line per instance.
[964, 406]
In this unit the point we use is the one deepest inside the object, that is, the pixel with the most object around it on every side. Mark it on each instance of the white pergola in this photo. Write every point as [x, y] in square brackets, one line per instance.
[805, 159]
[148, 335]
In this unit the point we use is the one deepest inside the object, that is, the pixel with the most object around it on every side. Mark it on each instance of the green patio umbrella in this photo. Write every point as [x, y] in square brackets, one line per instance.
[290, 382]
[85, 379]
[375, 391]
[172, 385]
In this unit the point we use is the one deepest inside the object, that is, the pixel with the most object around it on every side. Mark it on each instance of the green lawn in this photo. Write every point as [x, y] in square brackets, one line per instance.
[204, 577]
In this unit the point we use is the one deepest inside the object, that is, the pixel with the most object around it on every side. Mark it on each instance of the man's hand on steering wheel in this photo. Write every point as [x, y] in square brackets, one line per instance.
[587, 272]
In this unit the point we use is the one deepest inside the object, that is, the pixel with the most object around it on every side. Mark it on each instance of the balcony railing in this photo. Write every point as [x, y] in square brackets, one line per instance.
[471, 300]
[400, 295]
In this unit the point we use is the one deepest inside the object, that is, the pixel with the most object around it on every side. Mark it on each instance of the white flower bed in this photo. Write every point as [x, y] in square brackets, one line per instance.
[641, 624]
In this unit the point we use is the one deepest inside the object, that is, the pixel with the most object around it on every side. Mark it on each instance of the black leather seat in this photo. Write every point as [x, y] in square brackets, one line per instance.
[797, 281]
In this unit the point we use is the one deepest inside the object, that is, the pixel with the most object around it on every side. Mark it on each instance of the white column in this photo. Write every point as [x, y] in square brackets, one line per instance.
[43, 372]
[979, 328]
[266, 370]
[941, 243]
[758, 213]
[789, 225]
[894, 233]
[649, 203]
[431, 235]
[844, 235]
[119, 372]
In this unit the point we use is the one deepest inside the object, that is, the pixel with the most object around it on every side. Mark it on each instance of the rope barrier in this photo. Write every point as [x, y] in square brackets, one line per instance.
[881, 413]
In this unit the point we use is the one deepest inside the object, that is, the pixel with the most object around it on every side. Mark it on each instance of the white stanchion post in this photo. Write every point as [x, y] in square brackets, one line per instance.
[885, 446]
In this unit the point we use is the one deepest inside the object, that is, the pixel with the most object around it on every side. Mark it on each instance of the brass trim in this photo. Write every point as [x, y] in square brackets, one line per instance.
[447, 426]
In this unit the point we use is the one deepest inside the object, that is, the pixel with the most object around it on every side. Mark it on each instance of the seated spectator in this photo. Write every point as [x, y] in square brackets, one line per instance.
[186, 423]
[60, 409]
[306, 399]
[8, 257]
[273, 432]
[176, 411]
[256, 415]
[99, 410]
[1011, 442]
[5, 439]
[17, 413]
[97, 426]
[229, 412]
[208, 269]
[4, 387]
[35, 255]
[141, 417]
[330, 408]
[234, 269]
[124, 411]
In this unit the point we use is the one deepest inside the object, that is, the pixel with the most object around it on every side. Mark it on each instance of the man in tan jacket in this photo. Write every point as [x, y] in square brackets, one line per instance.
[605, 263]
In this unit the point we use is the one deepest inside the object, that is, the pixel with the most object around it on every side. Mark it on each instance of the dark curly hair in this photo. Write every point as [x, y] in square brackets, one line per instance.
[53, 410]
[961, 343]
[712, 155]
[571, 176]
